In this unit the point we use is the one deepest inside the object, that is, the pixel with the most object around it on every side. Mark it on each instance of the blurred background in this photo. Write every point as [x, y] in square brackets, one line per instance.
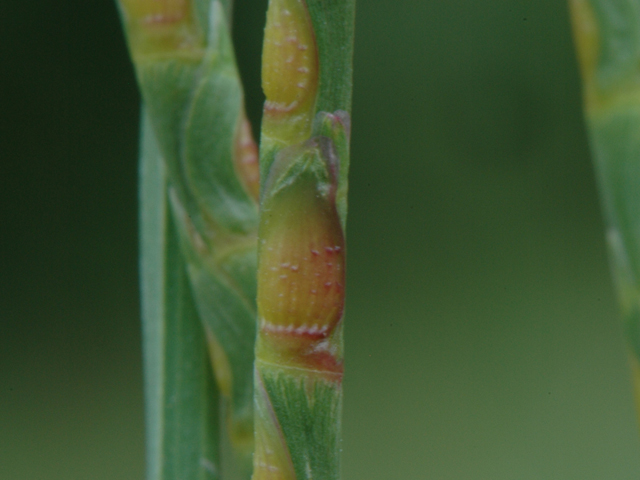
[482, 333]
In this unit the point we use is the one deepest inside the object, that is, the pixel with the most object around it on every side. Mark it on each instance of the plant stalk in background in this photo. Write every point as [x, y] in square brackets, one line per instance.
[199, 221]
[304, 160]
[607, 37]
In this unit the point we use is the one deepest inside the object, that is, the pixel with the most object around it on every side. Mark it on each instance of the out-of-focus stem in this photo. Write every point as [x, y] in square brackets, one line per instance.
[180, 396]
[607, 34]
[185, 66]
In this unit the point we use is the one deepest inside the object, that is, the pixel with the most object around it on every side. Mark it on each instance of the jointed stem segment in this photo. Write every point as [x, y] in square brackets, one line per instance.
[304, 159]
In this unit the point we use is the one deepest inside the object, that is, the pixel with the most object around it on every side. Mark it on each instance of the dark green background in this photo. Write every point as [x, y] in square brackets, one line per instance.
[482, 336]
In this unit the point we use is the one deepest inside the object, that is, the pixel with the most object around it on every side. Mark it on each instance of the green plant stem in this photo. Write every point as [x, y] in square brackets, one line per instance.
[184, 63]
[304, 160]
[606, 34]
[180, 395]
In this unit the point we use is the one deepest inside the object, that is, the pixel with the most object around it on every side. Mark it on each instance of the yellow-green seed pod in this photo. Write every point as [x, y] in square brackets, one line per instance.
[289, 72]
[155, 28]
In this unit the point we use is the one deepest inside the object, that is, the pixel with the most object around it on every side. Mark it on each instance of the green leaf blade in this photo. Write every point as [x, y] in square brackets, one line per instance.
[180, 396]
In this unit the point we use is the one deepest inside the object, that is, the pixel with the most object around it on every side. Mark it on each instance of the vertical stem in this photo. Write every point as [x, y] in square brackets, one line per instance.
[180, 395]
[186, 70]
[607, 37]
[304, 159]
